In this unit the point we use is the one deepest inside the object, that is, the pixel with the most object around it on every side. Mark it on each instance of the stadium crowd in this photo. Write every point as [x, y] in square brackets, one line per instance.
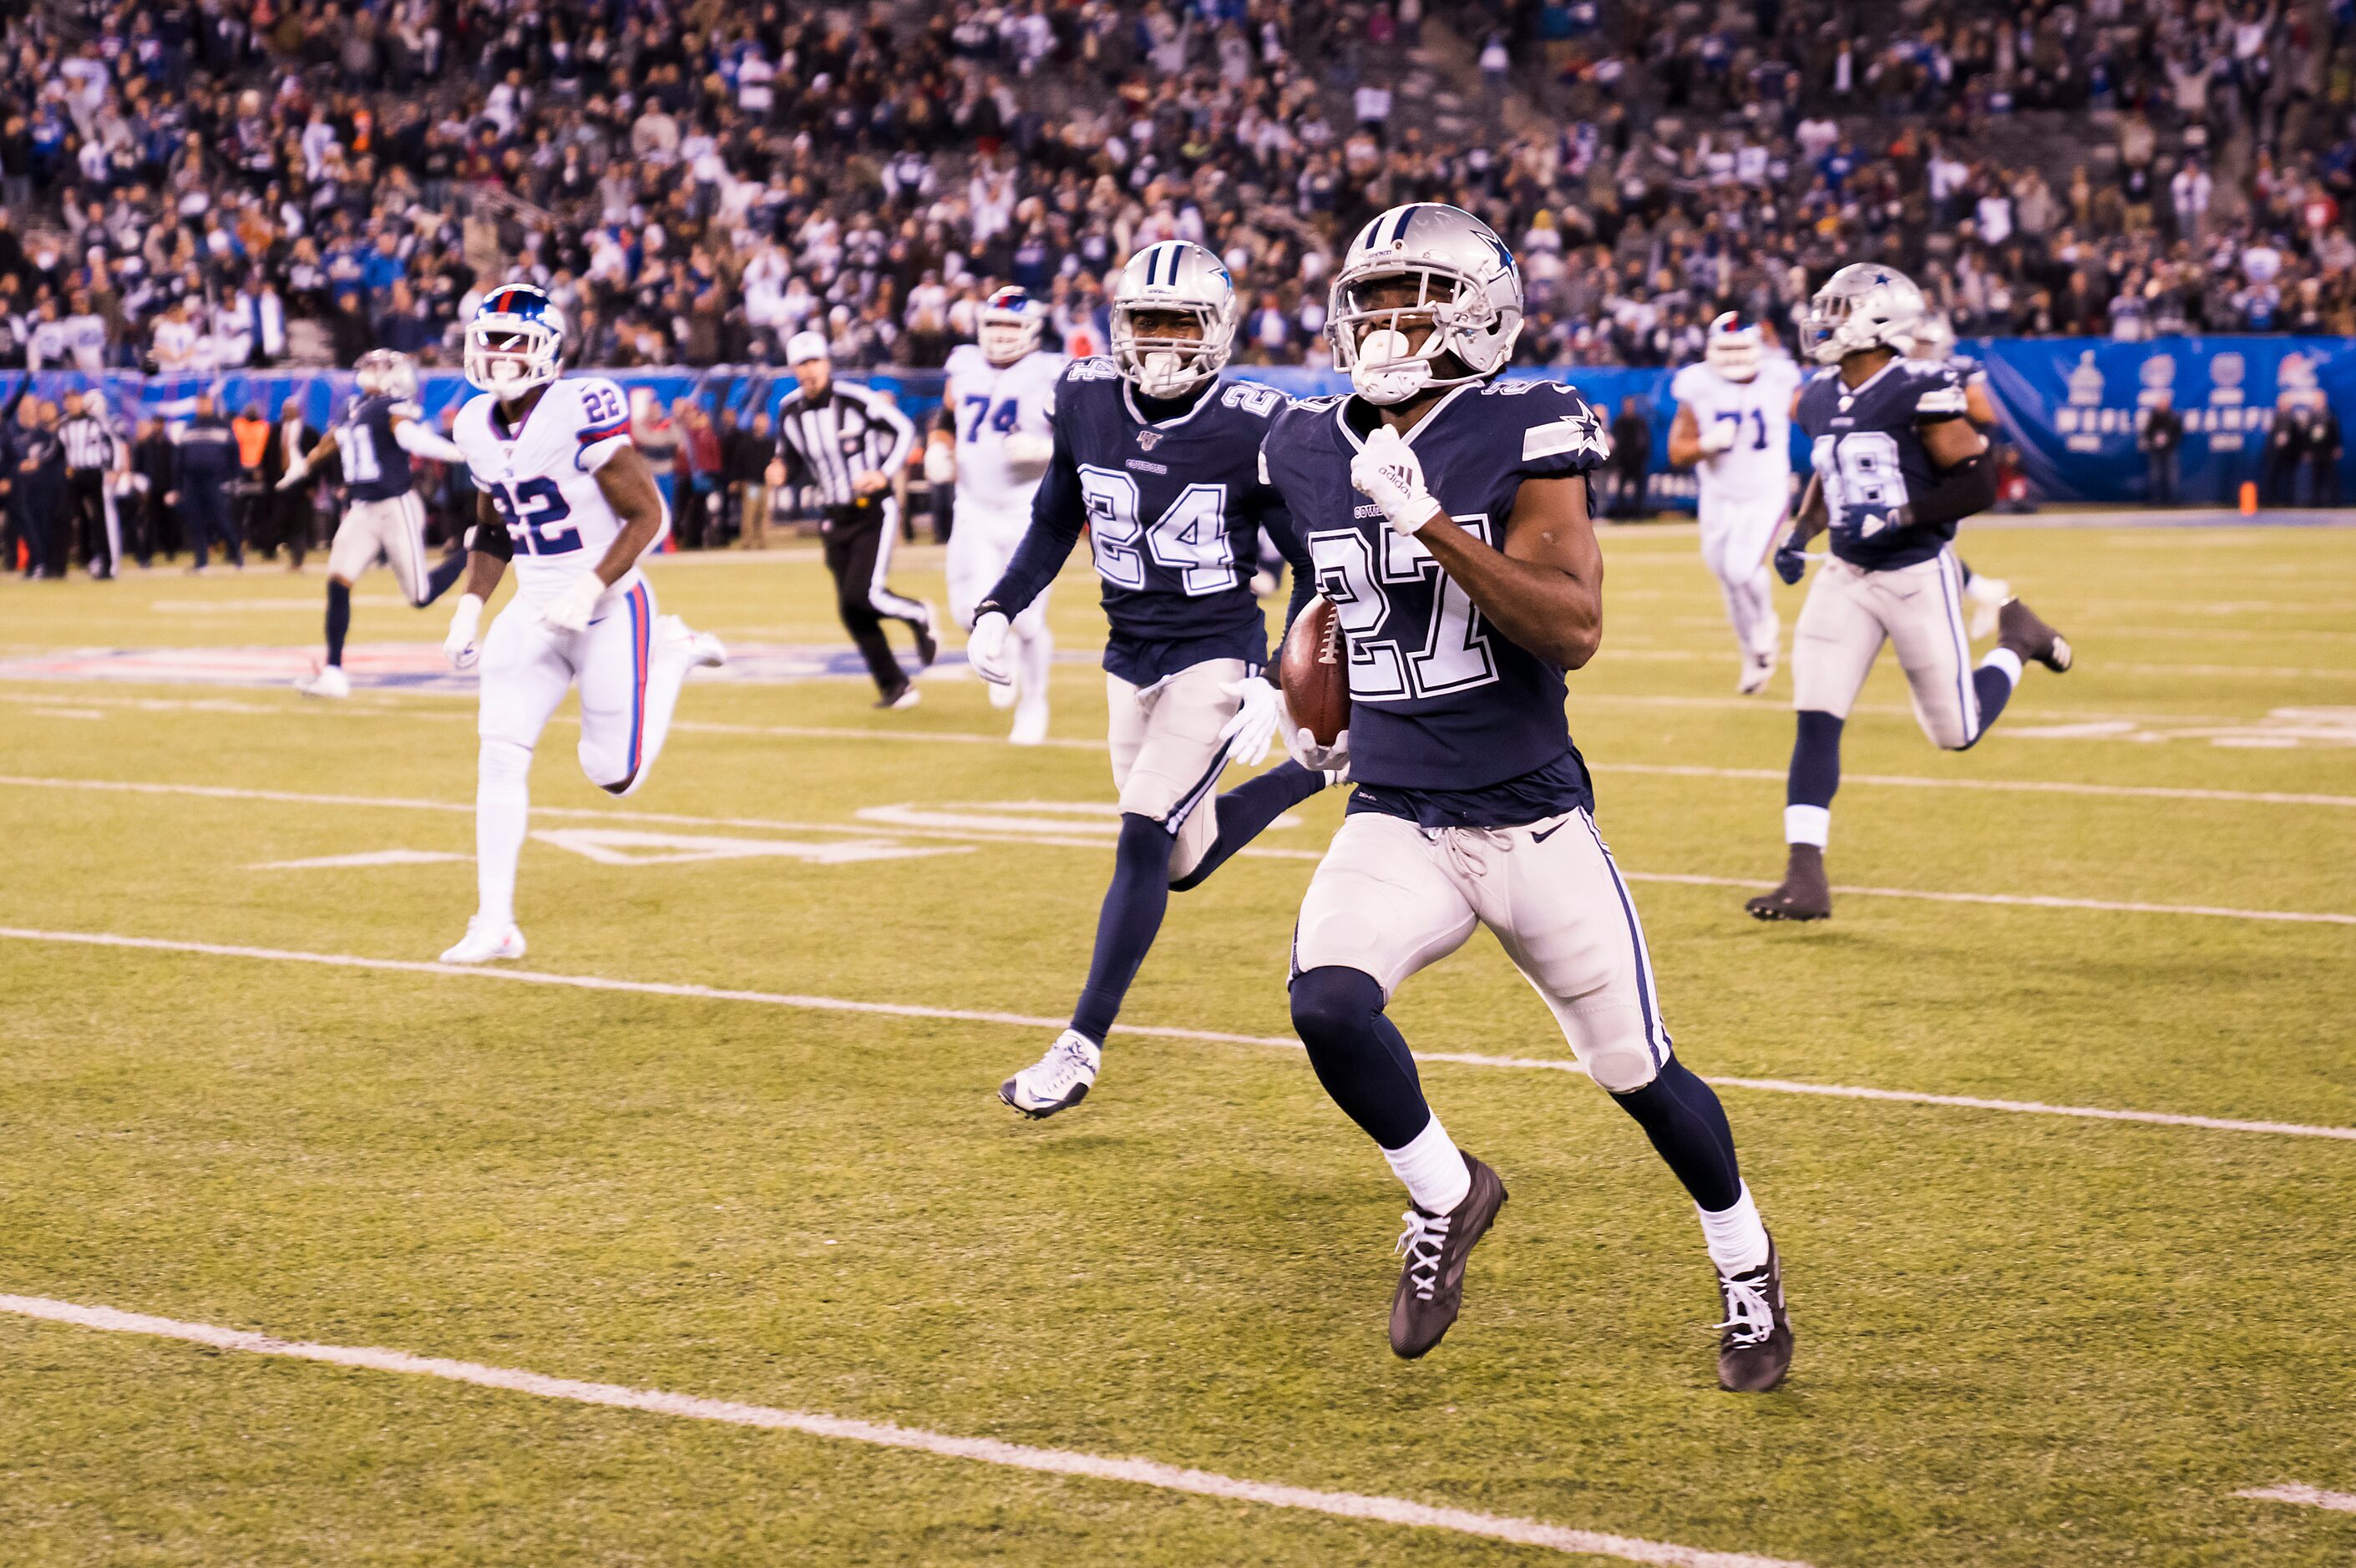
[203, 187]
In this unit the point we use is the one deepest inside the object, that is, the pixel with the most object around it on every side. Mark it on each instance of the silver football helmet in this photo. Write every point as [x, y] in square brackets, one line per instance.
[1934, 338]
[387, 373]
[1863, 306]
[1734, 347]
[1466, 302]
[1173, 276]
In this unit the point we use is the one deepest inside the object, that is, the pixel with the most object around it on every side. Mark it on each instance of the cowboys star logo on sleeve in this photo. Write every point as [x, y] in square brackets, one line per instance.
[1580, 431]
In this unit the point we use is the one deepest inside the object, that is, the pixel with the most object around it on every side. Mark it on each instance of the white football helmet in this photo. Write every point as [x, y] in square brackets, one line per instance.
[1173, 276]
[1467, 302]
[387, 373]
[1865, 305]
[1934, 338]
[515, 341]
[1733, 347]
[1008, 326]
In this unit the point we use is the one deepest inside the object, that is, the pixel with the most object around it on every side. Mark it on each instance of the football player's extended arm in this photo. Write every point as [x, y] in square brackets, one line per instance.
[1545, 588]
[1978, 407]
[628, 485]
[940, 448]
[414, 437]
[1812, 517]
[1685, 439]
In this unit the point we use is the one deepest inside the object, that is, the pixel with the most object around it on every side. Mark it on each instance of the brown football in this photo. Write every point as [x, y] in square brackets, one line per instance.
[1315, 674]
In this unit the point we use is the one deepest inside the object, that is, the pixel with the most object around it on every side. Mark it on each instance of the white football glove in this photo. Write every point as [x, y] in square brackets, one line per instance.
[1027, 450]
[985, 649]
[1302, 747]
[1387, 472]
[1717, 436]
[460, 648]
[940, 463]
[570, 611]
[1252, 731]
[297, 471]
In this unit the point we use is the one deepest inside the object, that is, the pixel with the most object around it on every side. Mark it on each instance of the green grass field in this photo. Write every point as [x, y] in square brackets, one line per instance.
[2025, 1339]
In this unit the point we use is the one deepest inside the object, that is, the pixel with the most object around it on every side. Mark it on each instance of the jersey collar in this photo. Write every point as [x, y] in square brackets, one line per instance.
[1845, 390]
[1342, 415]
[1129, 401]
[498, 421]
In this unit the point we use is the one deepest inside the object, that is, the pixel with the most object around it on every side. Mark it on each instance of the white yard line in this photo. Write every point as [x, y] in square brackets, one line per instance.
[2306, 1497]
[843, 1429]
[1255, 851]
[1154, 1031]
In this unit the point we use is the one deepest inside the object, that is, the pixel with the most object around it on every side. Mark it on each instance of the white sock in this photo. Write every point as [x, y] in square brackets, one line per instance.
[1433, 1169]
[1738, 1241]
[502, 812]
[1036, 658]
[1807, 825]
[2005, 660]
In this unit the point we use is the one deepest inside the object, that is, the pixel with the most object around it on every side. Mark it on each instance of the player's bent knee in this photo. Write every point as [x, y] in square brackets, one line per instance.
[1622, 1067]
[1333, 1006]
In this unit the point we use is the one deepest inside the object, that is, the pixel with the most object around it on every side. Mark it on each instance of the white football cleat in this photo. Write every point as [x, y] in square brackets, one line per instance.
[1987, 596]
[1030, 723]
[697, 647]
[1057, 1080]
[486, 943]
[327, 680]
[1756, 671]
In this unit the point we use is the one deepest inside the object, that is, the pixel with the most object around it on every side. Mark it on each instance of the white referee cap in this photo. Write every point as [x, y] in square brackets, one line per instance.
[804, 346]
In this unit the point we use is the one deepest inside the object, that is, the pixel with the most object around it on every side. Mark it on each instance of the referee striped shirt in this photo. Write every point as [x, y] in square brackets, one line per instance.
[829, 439]
[88, 443]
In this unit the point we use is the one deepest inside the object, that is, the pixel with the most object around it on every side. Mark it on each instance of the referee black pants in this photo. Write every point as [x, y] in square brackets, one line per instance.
[86, 519]
[859, 539]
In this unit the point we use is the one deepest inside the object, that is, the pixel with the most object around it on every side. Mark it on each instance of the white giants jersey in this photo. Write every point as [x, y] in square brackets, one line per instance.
[988, 404]
[542, 478]
[1758, 467]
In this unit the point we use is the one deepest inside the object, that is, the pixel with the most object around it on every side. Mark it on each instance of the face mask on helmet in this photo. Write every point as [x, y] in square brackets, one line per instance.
[510, 357]
[1389, 331]
[1006, 335]
[1163, 363]
[1731, 349]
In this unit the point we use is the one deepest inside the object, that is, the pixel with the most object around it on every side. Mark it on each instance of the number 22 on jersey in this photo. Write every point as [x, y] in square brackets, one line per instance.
[1450, 651]
[531, 508]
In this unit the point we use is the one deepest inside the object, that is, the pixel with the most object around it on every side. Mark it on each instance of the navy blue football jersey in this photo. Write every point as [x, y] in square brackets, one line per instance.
[1451, 722]
[376, 466]
[1174, 508]
[1869, 457]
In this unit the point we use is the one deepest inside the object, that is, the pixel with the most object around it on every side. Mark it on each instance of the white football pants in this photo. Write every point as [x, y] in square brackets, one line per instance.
[1735, 540]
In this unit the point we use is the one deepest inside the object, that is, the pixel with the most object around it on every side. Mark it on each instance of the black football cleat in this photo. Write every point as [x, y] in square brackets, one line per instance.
[2018, 628]
[928, 647]
[1803, 895]
[1754, 1344]
[1432, 1284]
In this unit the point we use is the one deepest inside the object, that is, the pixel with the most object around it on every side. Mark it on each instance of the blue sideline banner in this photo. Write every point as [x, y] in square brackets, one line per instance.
[2070, 405]
[2067, 405]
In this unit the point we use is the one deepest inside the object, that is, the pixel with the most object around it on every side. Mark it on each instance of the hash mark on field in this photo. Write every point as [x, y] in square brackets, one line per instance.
[2306, 1497]
[948, 1445]
[1156, 1031]
[1252, 851]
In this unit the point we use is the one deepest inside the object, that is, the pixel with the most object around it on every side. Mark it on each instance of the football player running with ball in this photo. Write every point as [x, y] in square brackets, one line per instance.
[1734, 428]
[1898, 463]
[1157, 456]
[1446, 513]
[566, 499]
